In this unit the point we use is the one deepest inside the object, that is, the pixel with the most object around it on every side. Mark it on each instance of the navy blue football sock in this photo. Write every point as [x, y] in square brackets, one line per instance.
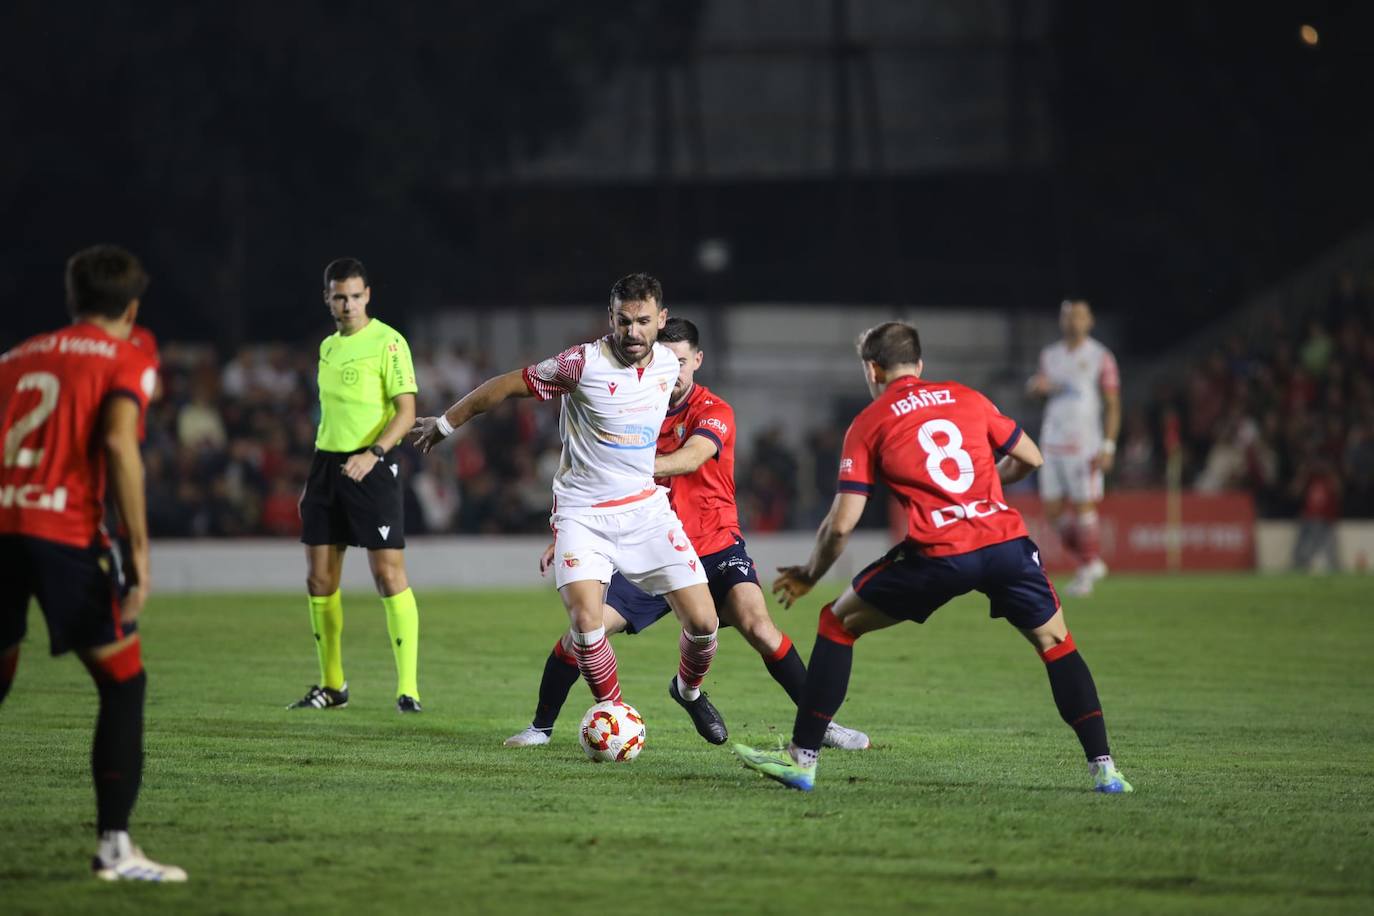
[1076, 696]
[560, 673]
[827, 682]
[785, 665]
[117, 754]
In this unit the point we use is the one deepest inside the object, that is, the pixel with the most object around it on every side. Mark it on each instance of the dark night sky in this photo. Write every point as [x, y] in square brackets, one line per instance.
[1200, 151]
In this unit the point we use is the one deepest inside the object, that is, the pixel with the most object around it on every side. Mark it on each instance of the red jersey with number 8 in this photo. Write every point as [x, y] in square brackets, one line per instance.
[52, 391]
[936, 446]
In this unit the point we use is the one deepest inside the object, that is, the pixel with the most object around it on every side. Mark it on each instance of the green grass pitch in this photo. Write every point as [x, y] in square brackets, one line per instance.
[1238, 706]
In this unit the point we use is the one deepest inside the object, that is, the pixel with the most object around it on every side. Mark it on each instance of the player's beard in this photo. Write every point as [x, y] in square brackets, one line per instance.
[631, 356]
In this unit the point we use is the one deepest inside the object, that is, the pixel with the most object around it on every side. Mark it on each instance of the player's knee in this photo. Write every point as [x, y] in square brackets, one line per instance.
[321, 585]
[833, 628]
[390, 581]
[117, 667]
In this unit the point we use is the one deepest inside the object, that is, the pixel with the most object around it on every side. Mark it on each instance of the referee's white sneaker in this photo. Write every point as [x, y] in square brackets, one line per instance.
[118, 859]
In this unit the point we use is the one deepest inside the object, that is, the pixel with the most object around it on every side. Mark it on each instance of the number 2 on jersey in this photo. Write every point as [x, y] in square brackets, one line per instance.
[952, 450]
[47, 385]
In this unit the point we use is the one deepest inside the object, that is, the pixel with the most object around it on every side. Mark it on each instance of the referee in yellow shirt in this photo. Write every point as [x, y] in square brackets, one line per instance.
[354, 495]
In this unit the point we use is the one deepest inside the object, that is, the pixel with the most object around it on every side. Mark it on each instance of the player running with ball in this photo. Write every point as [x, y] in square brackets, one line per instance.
[944, 451]
[696, 448]
[608, 514]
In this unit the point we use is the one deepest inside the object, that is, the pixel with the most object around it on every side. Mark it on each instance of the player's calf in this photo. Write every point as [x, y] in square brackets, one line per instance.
[9, 664]
[1075, 695]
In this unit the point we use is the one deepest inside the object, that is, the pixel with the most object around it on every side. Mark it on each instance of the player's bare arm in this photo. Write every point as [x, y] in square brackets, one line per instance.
[429, 432]
[360, 465]
[1023, 458]
[120, 440]
[1111, 428]
[695, 452]
[795, 581]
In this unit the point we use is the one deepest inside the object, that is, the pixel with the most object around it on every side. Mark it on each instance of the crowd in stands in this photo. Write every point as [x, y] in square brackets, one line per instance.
[1285, 411]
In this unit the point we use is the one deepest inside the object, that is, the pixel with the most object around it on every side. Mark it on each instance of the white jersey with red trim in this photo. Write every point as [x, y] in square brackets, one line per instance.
[1073, 413]
[609, 425]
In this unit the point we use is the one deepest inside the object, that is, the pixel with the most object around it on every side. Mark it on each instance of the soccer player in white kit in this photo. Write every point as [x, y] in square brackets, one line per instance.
[1078, 377]
[608, 514]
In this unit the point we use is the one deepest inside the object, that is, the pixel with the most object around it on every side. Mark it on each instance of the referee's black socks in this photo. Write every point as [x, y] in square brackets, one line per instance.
[1076, 696]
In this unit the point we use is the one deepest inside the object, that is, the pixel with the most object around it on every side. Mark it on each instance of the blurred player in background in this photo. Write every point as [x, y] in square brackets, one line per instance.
[944, 451]
[1078, 377]
[71, 404]
[696, 448]
[608, 514]
[354, 495]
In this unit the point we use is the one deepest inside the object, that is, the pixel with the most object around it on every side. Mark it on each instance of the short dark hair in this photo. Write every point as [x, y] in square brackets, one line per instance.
[341, 269]
[892, 343]
[680, 330]
[637, 288]
[102, 280]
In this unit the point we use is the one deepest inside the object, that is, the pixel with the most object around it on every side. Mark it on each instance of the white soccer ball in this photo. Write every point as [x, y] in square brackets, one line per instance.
[612, 732]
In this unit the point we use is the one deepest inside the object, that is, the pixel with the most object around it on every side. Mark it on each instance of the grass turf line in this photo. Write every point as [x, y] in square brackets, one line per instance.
[1236, 705]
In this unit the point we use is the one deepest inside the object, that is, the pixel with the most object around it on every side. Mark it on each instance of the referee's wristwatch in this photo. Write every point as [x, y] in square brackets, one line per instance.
[377, 450]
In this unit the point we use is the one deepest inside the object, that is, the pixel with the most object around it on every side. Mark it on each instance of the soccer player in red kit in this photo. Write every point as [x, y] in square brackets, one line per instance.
[696, 455]
[944, 451]
[70, 404]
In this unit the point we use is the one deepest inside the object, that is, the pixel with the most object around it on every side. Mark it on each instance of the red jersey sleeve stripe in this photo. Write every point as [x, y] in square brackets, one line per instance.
[529, 383]
[1015, 437]
[707, 434]
[855, 486]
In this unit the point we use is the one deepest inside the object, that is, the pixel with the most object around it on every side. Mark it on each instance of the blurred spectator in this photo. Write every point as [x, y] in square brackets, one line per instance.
[1319, 490]
[229, 445]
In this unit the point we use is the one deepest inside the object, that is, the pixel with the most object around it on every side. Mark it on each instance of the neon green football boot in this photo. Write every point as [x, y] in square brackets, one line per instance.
[1107, 778]
[777, 765]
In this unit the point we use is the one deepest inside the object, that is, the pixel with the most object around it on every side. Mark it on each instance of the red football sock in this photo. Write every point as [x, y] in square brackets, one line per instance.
[694, 659]
[597, 663]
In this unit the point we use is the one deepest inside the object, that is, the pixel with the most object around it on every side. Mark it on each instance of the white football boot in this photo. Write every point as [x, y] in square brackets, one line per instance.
[529, 737]
[118, 859]
[846, 739]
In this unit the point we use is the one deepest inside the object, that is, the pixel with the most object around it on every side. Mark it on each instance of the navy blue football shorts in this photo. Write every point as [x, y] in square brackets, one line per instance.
[908, 585]
[724, 570]
[79, 589]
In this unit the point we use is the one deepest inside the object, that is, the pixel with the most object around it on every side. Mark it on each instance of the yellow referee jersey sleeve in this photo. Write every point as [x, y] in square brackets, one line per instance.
[359, 376]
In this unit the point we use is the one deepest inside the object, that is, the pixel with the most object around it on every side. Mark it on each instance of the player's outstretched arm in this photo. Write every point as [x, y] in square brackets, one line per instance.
[119, 424]
[430, 431]
[695, 452]
[794, 581]
[1023, 458]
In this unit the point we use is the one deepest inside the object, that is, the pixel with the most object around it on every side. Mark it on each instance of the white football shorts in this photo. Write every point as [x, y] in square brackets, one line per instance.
[1070, 477]
[646, 545]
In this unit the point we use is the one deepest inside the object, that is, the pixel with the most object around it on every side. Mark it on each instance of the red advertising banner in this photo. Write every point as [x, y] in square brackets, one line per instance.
[1216, 532]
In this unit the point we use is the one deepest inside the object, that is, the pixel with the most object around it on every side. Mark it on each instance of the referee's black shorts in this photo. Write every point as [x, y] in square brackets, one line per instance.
[336, 510]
